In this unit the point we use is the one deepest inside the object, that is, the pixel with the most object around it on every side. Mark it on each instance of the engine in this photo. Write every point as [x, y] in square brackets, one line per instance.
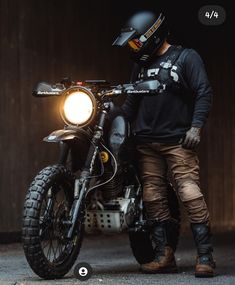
[113, 216]
[113, 189]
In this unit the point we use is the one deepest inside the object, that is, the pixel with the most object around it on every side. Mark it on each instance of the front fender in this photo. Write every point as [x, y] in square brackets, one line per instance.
[63, 135]
[78, 142]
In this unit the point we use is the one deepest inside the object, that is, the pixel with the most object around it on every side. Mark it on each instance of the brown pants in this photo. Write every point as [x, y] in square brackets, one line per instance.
[155, 160]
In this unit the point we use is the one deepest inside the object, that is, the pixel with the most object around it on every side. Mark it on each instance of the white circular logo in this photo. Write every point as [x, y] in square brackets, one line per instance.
[83, 271]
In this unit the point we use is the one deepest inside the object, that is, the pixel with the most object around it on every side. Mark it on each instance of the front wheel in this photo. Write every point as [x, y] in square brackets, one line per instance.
[45, 221]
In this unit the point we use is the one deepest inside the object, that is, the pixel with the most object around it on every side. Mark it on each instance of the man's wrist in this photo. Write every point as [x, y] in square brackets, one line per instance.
[196, 130]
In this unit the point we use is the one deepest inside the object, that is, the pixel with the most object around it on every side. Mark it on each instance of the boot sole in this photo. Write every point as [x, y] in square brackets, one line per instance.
[161, 271]
[204, 274]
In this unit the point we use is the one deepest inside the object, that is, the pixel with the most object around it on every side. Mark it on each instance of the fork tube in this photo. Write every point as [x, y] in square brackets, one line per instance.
[95, 142]
[86, 174]
[64, 151]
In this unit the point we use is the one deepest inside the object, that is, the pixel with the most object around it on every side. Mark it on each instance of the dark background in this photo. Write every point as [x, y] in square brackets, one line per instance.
[49, 39]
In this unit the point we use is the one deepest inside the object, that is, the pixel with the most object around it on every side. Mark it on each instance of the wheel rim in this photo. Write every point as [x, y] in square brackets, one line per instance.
[54, 214]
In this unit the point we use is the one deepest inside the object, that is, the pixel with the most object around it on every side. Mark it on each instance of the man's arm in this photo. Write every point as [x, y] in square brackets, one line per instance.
[199, 83]
[197, 80]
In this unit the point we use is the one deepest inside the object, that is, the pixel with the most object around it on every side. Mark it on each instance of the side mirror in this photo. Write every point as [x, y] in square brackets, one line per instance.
[43, 89]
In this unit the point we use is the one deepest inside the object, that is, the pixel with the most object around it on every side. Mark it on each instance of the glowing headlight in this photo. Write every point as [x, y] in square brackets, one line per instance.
[78, 108]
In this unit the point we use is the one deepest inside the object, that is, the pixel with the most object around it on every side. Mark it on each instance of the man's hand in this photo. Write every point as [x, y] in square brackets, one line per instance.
[192, 138]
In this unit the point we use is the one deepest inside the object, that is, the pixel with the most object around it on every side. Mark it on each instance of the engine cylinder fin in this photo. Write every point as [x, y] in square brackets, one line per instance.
[112, 189]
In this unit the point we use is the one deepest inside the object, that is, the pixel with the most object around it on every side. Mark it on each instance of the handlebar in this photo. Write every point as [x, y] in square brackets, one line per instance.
[101, 88]
[139, 87]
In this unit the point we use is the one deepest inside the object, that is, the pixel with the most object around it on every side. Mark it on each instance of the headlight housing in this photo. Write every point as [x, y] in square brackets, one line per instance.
[78, 106]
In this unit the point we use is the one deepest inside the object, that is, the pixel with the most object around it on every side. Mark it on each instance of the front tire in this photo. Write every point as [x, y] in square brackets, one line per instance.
[47, 205]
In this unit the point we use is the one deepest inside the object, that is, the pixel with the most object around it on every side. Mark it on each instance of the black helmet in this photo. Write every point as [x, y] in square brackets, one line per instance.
[144, 32]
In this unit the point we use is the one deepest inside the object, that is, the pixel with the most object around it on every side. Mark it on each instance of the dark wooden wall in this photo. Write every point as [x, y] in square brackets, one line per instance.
[49, 39]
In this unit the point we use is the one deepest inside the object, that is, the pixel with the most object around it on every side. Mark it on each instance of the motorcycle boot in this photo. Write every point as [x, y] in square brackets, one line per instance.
[164, 261]
[205, 264]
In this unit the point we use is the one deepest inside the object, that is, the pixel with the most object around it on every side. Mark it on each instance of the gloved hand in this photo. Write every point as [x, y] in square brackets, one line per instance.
[192, 138]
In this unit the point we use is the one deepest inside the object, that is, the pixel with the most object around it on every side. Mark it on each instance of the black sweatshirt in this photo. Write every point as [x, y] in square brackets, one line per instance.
[166, 117]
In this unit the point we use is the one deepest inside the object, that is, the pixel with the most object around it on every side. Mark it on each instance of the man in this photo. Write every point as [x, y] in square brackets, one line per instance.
[167, 126]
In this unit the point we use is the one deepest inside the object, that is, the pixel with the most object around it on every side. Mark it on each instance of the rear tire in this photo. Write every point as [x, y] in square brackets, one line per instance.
[47, 226]
[141, 242]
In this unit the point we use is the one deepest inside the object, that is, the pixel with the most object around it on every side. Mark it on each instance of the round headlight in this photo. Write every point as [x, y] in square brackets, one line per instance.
[79, 106]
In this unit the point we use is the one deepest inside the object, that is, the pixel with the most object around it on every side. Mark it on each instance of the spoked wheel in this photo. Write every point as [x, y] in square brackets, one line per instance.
[141, 242]
[45, 222]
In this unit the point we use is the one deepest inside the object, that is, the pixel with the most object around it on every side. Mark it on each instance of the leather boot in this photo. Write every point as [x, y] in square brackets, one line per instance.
[205, 264]
[164, 261]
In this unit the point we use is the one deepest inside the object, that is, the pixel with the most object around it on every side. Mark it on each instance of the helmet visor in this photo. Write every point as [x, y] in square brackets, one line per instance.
[124, 37]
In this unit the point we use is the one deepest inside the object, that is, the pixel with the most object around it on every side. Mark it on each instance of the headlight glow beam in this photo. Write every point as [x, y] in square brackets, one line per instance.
[78, 108]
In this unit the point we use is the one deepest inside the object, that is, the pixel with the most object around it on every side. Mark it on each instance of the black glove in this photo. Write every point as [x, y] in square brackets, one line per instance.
[192, 138]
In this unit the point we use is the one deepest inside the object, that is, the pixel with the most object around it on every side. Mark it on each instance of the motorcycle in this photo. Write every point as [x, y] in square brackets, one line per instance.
[94, 187]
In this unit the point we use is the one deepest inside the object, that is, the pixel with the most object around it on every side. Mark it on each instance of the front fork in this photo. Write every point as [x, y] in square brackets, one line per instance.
[64, 151]
[82, 183]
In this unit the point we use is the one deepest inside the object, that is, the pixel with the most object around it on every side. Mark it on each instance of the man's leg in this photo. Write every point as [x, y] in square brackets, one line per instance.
[184, 166]
[153, 170]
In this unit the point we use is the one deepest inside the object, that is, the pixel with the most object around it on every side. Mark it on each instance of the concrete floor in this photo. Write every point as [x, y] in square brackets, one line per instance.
[113, 263]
